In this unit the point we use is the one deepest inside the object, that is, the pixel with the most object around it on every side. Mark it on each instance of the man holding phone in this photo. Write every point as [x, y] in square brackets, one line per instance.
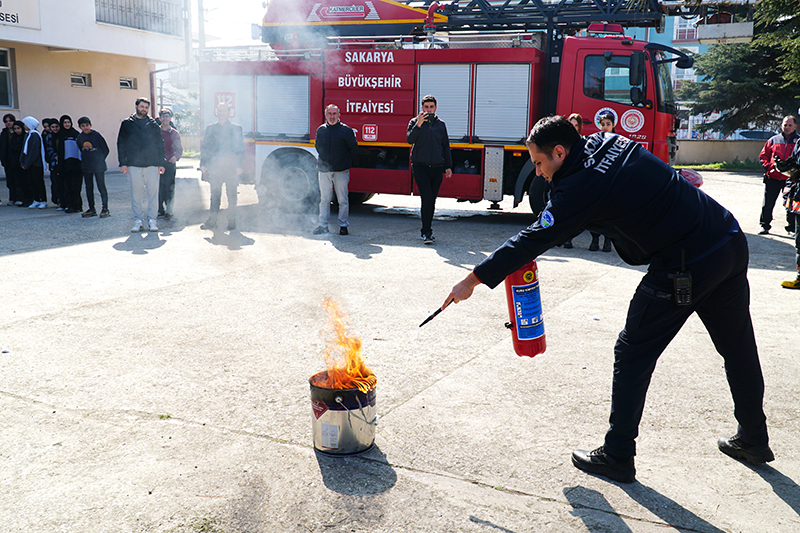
[430, 158]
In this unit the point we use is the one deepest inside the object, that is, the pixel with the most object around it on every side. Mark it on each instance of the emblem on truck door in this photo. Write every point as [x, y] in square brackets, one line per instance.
[632, 120]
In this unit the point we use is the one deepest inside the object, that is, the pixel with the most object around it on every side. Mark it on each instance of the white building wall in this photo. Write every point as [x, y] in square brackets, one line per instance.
[70, 41]
[71, 24]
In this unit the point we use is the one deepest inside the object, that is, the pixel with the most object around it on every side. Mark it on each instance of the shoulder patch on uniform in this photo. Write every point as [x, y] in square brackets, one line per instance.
[546, 220]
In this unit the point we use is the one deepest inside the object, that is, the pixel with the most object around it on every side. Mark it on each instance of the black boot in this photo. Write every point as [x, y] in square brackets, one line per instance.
[599, 462]
[738, 449]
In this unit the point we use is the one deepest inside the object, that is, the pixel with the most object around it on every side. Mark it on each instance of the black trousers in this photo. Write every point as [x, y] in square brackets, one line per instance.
[231, 185]
[56, 187]
[772, 189]
[166, 188]
[797, 240]
[88, 179]
[14, 177]
[73, 182]
[428, 179]
[33, 185]
[721, 298]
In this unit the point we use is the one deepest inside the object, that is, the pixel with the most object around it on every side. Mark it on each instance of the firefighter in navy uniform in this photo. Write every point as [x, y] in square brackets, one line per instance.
[697, 257]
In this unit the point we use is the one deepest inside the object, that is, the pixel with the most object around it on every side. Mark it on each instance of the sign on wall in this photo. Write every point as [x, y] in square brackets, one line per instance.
[22, 13]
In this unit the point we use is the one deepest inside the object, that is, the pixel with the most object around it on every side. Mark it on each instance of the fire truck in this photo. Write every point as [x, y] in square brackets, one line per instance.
[495, 68]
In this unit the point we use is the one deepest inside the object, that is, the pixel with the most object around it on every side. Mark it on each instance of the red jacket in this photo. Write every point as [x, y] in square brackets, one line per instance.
[779, 146]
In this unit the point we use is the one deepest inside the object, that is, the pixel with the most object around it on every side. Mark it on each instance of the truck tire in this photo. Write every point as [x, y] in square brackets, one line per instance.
[538, 194]
[289, 182]
[358, 198]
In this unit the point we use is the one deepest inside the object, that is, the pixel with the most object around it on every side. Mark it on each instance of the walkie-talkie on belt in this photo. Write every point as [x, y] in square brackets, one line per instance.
[683, 283]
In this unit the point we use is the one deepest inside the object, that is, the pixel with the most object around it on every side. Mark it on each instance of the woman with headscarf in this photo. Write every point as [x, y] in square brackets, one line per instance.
[14, 172]
[69, 166]
[32, 161]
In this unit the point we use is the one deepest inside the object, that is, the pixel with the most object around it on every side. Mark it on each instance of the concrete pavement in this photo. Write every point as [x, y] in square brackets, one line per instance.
[157, 382]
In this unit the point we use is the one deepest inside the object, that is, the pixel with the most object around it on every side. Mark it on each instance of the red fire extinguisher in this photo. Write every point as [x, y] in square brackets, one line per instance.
[525, 311]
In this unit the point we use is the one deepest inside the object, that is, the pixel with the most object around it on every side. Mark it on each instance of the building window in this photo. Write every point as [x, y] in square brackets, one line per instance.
[160, 16]
[685, 29]
[6, 85]
[80, 80]
[127, 83]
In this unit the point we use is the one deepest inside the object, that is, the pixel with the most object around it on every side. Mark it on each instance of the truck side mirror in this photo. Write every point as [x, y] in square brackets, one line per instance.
[685, 62]
[636, 70]
[637, 96]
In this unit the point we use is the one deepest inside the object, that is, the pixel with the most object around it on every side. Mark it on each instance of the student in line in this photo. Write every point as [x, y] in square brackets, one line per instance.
[94, 151]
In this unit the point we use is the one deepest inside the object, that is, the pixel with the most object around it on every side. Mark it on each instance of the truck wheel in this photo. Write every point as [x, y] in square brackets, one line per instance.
[289, 182]
[358, 198]
[355, 199]
[538, 194]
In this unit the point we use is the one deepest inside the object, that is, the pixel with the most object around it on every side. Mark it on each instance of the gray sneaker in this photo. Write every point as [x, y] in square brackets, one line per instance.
[153, 225]
[137, 226]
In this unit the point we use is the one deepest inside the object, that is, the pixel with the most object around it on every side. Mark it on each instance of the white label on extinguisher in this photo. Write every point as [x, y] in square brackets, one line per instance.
[330, 435]
[528, 311]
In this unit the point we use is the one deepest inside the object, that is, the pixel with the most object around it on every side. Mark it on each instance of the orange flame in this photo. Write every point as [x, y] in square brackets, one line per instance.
[346, 368]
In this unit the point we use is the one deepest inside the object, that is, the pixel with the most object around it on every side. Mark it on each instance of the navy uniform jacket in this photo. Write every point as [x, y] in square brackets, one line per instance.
[612, 185]
[429, 143]
[336, 146]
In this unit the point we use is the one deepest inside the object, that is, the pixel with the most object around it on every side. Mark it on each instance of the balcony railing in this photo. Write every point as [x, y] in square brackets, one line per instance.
[158, 16]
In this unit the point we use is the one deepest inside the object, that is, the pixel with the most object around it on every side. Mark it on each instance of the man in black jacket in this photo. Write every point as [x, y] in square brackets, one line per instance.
[337, 148]
[222, 161]
[430, 155]
[141, 155]
[697, 257]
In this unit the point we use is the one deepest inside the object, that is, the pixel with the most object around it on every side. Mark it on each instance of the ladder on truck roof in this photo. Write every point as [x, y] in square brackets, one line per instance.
[301, 19]
[542, 14]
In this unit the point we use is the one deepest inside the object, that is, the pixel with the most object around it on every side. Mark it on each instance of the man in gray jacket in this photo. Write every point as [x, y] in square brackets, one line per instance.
[222, 161]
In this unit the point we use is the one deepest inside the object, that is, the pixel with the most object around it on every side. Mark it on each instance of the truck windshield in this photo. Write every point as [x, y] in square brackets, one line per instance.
[666, 96]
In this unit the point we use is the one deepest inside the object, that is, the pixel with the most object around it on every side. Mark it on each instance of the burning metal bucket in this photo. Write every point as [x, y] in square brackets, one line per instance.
[343, 420]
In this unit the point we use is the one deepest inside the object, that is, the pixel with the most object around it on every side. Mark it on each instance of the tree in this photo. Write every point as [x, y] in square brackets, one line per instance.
[754, 84]
[780, 20]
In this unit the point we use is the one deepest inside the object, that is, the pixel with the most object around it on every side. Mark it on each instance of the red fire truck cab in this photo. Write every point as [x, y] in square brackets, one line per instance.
[490, 91]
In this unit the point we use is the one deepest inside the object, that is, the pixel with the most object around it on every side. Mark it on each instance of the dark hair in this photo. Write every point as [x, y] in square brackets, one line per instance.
[142, 99]
[54, 122]
[579, 118]
[84, 120]
[165, 111]
[428, 98]
[45, 121]
[63, 118]
[20, 124]
[9, 116]
[606, 116]
[551, 131]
